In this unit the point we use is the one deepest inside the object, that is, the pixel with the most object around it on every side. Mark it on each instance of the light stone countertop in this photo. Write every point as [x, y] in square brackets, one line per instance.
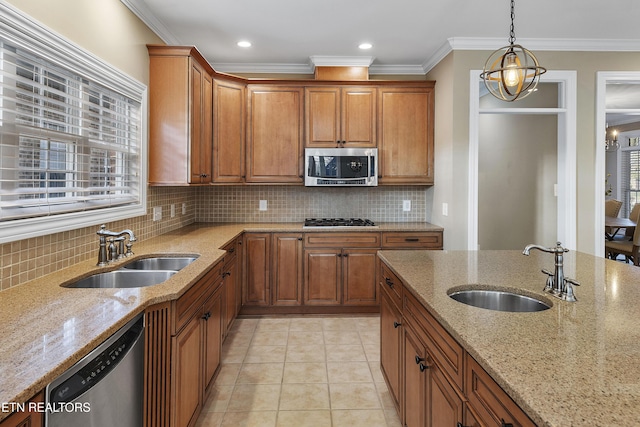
[576, 364]
[46, 328]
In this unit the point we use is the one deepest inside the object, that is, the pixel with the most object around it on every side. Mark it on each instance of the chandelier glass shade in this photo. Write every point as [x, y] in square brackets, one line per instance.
[511, 72]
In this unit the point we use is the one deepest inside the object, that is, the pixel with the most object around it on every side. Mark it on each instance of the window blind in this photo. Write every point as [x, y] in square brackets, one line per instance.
[630, 181]
[67, 142]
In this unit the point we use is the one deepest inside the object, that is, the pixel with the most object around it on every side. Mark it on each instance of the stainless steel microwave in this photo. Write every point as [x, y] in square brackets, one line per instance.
[345, 167]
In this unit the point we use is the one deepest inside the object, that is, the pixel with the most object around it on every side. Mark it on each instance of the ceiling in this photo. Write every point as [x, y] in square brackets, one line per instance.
[408, 36]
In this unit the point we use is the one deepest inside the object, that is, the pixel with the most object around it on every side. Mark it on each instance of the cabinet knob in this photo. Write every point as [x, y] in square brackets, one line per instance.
[504, 424]
[389, 282]
[396, 324]
[459, 424]
[207, 315]
[300, 239]
[231, 250]
[424, 367]
[419, 359]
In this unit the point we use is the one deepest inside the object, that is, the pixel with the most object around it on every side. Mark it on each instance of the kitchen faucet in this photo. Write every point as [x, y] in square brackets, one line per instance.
[114, 252]
[557, 285]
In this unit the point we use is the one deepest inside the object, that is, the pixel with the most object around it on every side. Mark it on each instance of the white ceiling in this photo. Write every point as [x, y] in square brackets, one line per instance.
[408, 36]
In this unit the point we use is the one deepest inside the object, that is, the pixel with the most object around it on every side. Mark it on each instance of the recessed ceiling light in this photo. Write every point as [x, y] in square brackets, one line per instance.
[244, 43]
[365, 46]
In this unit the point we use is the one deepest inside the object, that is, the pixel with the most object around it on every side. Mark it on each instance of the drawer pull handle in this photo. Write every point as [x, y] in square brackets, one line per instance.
[411, 239]
[396, 324]
[388, 282]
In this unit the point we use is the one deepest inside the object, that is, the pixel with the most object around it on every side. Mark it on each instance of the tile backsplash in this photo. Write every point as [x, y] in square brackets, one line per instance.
[292, 204]
[29, 259]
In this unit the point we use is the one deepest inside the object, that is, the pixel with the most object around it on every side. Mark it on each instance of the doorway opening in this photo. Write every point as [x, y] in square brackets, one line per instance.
[522, 166]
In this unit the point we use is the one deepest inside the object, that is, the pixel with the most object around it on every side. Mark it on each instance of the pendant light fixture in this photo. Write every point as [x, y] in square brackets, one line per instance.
[511, 72]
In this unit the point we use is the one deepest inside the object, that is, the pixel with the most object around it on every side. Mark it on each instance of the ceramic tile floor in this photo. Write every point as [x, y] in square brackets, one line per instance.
[301, 371]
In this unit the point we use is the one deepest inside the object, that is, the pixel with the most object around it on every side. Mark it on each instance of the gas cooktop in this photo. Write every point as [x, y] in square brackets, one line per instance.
[338, 222]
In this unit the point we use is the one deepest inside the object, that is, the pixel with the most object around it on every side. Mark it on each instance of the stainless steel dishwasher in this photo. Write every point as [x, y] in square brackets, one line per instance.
[105, 388]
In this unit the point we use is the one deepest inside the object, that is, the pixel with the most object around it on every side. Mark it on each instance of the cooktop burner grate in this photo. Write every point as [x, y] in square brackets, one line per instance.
[338, 222]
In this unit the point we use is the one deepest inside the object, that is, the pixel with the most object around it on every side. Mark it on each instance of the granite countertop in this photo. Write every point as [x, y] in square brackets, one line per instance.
[576, 364]
[46, 328]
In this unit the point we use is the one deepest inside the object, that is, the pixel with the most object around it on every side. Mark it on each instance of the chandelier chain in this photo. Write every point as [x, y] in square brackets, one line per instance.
[512, 31]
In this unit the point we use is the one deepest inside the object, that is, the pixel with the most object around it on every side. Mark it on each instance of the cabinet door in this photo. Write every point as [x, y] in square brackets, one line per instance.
[230, 278]
[228, 128]
[322, 116]
[274, 135]
[444, 405]
[359, 276]
[406, 135]
[322, 276]
[257, 268]
[29, 418]
[415, 372]
[187, 374]
[201, 125]
[286, 280]
[358, 118]
[390, 347]
[213, 323]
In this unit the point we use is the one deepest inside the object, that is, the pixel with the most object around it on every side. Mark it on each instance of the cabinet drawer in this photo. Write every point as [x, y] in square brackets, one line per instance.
[417, 240]
[391, 285]
[185, 306]
[342, 240]
[490, 404]
[447, 353]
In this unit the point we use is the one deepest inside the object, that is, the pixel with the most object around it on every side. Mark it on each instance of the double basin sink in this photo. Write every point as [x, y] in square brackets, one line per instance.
[136, 274]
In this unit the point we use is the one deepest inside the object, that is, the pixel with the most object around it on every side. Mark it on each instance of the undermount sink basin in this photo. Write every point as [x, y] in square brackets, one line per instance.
[123, 279]
[499, 300]
[160, 263]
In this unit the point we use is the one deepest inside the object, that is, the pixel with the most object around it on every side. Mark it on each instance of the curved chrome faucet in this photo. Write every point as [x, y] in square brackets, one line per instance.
[556, 284]
[115, 252]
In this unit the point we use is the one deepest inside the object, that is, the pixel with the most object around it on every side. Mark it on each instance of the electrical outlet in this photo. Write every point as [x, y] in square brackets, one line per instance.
[157, 213]
[173, 210]
[445, 209]
[184, 209]
[263, 205]
[406, 205]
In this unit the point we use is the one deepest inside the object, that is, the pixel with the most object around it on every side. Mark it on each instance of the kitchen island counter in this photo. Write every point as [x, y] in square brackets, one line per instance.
[575, 364]
[46, 328]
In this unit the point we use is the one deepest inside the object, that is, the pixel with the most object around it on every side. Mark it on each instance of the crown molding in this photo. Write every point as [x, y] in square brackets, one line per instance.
[396, 69]
[140, 9]
[262, 68]
[581, 45]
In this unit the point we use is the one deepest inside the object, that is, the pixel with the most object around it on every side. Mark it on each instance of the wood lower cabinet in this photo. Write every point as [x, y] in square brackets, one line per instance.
[405, 135]
[340, 116]
[439, 383]
[257, 269]
[286, 269]
[340, 269]
[232, 283]
[183, 340]
[391, 346]
[274, 134]
[29, 418]
[180, 116]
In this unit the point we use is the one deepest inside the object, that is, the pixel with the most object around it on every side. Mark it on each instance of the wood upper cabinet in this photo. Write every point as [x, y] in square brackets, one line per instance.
[340, 116]
[274, 134]
[405, 135]
[180, 116]
[229, 99]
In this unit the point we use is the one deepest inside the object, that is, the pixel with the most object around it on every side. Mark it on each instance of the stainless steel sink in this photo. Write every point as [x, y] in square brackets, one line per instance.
[160, 263]
[499, 300]
[123, 279]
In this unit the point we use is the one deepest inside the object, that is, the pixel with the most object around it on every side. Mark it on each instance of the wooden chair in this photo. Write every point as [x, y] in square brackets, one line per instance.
[635, 211]
[629, 248]
[611, 208]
